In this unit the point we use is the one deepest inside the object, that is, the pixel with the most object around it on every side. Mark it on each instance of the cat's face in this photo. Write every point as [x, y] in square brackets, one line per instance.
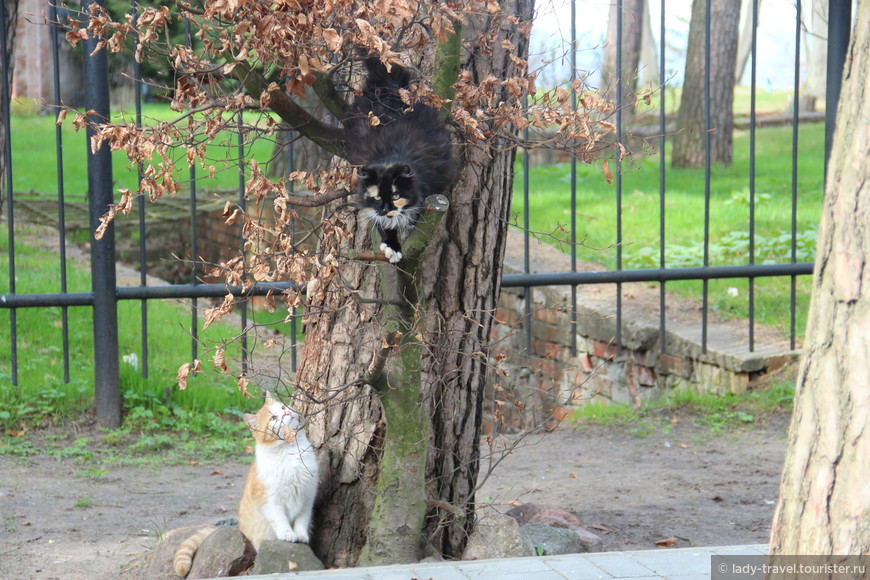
[388, 195]
[275, 421]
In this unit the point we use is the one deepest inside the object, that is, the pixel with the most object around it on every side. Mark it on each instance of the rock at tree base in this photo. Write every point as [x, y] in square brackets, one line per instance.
[533, 513]
[589, 542]
[275, 556]
[497, 536]
[225, 552]
[552, 541]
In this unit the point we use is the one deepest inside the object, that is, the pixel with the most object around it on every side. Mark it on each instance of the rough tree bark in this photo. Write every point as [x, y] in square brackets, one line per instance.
[824, 504]
[689, 142]
[459, 284]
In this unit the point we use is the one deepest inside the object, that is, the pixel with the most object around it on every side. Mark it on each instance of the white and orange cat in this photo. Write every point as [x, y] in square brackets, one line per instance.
[280, 488]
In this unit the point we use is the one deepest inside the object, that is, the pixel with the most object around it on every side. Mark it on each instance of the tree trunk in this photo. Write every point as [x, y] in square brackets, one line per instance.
[459, 285]
[824, 504]
[817, 54]
[7, 68]
[744, 45]
[632, 32]
[648, 75]
[689, 143]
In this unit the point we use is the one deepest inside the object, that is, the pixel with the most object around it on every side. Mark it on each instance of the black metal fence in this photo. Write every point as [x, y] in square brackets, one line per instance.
[105, 293]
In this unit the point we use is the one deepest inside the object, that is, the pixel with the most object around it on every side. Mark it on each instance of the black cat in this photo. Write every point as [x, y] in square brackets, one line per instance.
[403, 158]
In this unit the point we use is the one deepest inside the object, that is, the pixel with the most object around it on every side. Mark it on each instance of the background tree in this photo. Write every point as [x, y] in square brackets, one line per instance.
[632, 34]
[744, 43]
[8, 21]
[816, 47]
[825, 495]
[689, 142]
[395, 359]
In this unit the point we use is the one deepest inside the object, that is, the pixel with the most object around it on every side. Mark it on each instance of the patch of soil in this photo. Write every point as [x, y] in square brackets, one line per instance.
[64, 518]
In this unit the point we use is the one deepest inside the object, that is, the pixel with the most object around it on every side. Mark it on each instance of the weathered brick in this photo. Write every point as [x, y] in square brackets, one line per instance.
[674, 365]
[605, 350]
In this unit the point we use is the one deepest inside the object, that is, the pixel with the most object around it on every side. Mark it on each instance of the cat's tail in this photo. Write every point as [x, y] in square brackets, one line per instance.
[184, 554]
[397, 77]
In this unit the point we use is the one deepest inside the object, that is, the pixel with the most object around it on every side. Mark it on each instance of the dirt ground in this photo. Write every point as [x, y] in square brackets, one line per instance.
[632, 486]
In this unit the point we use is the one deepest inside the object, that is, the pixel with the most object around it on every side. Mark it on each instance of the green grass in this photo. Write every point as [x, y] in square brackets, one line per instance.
[34, 160]
[549, 207]
[42, 397]
[717, 413]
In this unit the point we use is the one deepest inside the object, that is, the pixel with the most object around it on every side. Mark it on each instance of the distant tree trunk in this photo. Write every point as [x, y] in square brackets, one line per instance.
[648, 75]
[460, 284]
[689, 143]
[7, 68]
[744, 45]
[816, 83]
[824, 503]
[632, 20]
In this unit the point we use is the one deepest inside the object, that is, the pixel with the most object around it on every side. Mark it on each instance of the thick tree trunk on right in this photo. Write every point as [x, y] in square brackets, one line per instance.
[689, 143]
[824, 504]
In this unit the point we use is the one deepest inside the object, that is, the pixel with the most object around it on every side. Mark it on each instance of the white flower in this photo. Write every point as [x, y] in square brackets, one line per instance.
[732, 291]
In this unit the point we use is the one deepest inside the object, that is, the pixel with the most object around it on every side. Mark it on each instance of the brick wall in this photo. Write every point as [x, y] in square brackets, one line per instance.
[547, 379]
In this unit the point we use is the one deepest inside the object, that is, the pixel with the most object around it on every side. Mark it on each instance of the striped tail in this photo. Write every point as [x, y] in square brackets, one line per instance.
[184, 554]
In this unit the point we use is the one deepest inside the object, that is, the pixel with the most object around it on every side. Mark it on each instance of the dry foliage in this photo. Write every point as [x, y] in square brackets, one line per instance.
[262, 57]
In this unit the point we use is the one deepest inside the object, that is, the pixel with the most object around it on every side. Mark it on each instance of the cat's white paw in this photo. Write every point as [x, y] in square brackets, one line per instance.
[289, 535]
[393, 257]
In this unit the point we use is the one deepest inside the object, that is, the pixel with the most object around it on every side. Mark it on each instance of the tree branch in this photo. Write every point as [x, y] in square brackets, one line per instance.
[326, 137]
[317, 200]
[325, 90]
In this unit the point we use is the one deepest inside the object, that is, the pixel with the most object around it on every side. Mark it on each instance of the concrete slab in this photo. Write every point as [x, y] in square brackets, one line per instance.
[679, 564]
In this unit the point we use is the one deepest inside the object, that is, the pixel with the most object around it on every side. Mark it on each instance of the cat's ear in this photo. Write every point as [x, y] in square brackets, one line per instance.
[367, 175]
[405, 171]
[251, 421]
[267, 398]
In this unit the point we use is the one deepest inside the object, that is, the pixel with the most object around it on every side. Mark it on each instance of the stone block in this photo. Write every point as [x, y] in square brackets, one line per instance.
[279, 557]
[497, 536]
[225, 552]
[534, 513]
[551, 541]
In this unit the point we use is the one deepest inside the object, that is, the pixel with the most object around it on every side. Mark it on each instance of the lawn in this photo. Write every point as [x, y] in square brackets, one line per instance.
[596, 216]
[34, 160]
[42, 395]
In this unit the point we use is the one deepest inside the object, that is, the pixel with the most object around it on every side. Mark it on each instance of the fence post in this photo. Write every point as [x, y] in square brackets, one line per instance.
[839, 31]
[107, 384]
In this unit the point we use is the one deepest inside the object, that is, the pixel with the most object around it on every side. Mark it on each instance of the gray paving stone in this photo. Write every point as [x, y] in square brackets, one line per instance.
[572, 566]
[620, 565]
[681, 564]
[675, 562]
[510, 569]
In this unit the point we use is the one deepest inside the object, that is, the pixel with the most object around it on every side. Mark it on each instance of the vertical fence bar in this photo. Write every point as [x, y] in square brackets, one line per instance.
[527, 291]
[618, 170]
[5, 105]
[573, 61]
[107, 390]
[705, 300]
[662, 180]
[242, 206]
[143, 254]
[291, 167]
[839, 30]
[53, 30]
[194, 250]
[795, 130]
[753, 86]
